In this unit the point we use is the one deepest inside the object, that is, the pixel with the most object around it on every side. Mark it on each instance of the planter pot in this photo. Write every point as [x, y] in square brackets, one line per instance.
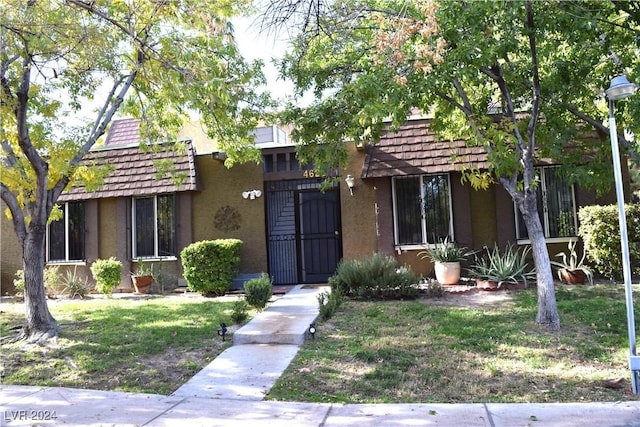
[487, 285]
[447, 273]
[142, 284]
[574, 277]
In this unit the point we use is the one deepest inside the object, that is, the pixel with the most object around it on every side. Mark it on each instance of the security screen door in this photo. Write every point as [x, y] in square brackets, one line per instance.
[305, 243]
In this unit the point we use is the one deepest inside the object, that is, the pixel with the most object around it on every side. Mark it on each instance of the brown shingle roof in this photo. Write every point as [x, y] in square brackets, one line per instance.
[413, 150]
[134, 173]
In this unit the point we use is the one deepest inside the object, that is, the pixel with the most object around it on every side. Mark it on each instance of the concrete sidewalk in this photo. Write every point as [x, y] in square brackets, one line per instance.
[230, 391]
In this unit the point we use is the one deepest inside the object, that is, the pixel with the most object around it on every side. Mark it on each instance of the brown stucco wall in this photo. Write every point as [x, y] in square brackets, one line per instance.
[358, 212]
[10, 253]
[220, 211]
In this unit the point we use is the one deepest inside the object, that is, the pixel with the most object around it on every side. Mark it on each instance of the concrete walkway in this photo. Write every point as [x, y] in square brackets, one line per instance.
[229, 392]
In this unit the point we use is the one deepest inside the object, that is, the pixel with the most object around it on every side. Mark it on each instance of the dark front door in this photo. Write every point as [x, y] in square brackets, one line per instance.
[304, 238]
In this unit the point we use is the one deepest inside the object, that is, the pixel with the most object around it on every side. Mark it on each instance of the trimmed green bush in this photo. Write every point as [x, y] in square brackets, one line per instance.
[106, 272]
[328, 304]
[240, 311]
[257, 291]
[210, 265]
[600, 233]
[375, 277]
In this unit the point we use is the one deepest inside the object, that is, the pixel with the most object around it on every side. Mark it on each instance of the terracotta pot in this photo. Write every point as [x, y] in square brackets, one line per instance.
[574, 277]
[487, 285]
[142, 284]
[447, 273]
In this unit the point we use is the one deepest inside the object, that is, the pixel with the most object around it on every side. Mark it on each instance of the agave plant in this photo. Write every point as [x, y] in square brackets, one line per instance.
[511, 266]
[571, 262]
[445, 251]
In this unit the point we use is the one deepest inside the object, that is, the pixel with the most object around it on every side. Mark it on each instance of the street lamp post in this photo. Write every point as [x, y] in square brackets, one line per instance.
[621, 88]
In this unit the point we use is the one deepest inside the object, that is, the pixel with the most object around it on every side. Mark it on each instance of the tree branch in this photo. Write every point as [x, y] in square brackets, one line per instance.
[600, 127]
[16, 213]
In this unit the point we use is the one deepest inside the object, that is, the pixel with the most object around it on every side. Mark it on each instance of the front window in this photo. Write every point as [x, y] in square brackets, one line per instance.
[66, 235]
[422, 209]
[154, 226]
[556, 206]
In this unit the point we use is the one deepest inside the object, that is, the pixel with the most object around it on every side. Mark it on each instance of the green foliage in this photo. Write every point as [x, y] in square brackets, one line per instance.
[445, 251]
[74, 286]
[18, 282]
[51, 278]
[239, 311]
[106, 273]
[210, 265]
[511, 266]
[143, 268]
[258, 291]
[375, 277]
[600, 232]
[328, 304]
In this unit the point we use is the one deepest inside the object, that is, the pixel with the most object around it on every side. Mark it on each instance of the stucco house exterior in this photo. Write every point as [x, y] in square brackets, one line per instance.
[407, 193]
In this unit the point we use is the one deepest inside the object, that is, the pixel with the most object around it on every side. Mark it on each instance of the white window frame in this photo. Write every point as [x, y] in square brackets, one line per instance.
[66, 259]
[155, 229]
[540, 172]
[423, 225]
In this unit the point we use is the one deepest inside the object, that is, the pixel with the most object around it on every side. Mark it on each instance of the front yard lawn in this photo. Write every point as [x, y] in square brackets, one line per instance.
[481, 347]
[134, 344]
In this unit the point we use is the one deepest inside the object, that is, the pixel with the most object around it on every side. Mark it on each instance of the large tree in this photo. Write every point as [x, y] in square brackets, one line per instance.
[68, 66]
[521, 78]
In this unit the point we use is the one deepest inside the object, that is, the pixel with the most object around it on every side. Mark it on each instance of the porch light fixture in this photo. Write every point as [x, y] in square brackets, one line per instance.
[621, 88]
[252, 194]
[223, 330]
[351, 181]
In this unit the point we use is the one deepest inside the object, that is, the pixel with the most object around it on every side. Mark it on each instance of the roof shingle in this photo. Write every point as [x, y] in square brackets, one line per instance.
[413, 150]
[134, 173]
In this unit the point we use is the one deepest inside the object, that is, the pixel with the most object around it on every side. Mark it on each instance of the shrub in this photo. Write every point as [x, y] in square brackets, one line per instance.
[50, 278]
[600, 233]
[258, 291]
[18, 282]
[328, 304]
[239, 311]
[106, 272]
[210, 265]
[374, 277]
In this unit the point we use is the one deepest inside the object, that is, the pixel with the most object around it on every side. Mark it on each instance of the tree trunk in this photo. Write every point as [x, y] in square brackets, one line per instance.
[40, 324]
[548, 316]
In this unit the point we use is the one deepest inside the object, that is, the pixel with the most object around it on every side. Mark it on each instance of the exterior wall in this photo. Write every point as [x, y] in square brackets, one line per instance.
[358, 212]
[220, 211]
[10, 253]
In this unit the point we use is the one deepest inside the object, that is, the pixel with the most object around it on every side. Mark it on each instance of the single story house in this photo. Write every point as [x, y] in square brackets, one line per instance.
[405, 193]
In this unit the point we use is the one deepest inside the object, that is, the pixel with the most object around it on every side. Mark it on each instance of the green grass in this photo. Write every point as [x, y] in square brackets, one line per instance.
[136, 345]
[417, 351]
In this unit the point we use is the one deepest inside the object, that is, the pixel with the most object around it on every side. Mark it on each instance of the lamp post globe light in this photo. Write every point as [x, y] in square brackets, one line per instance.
[621, 88]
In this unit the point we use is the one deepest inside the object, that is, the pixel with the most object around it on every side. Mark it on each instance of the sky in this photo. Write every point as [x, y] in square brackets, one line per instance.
[254, 44]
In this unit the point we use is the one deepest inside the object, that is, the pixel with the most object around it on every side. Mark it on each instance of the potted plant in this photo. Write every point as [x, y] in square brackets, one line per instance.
[446, 256]
[570, 270]
[142, 277]
[507, 270]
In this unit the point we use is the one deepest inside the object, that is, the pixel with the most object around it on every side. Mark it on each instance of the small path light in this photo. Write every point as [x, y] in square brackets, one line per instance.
[223, 330]
[312, 330]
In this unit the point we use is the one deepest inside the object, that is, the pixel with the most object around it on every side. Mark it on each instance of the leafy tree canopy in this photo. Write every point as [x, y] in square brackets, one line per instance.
[478, 67]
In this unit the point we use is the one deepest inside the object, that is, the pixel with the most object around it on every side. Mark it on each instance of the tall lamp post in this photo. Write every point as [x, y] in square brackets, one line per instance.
[621, 88]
